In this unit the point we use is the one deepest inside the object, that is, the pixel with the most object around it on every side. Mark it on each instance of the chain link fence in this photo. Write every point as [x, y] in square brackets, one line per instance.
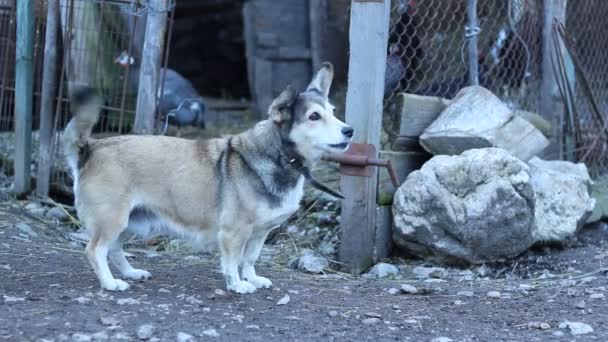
[427, 48]
[587, 25]
[427, 55]
[91, 35]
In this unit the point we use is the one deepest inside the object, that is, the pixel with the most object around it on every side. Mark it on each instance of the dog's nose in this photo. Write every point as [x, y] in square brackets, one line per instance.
[348, 131]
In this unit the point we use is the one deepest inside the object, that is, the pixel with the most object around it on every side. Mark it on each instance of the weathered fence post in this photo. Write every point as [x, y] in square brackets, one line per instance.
[368, 44]
[24, 88]
[49, 85]
[151, 61]
[549, 93]
[317, 13]
[471, 31]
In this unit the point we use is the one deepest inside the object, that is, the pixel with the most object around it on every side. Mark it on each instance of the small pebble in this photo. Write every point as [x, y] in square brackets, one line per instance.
[183, 337]
[597, 296]
[493, 294]
[408, 289]
[283, 300]
[371, 320]
[333, 313]
[212, 333]
[128, 301]
[145, 331]
[465, 293]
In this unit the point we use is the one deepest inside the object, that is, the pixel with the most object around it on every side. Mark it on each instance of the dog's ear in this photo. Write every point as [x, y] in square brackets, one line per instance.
[279, 107]
[322, 80]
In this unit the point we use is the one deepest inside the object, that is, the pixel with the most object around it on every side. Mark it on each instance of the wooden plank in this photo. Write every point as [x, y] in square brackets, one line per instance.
[263, 86]
[250, 47]
[285, 53]
[364, 99]
[383, 240]
[149, 78]
[549, 92]
[49, 85]
[317, 12]
[418, 112]
[404, 163]
[24, 88]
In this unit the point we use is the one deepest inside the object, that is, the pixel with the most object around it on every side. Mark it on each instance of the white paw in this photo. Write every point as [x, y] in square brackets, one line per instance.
[115, 285]
[136, 274]
[260, 282]
[242, 286]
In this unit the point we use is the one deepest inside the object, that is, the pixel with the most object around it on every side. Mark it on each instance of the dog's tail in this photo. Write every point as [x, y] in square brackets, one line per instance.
[86, 104]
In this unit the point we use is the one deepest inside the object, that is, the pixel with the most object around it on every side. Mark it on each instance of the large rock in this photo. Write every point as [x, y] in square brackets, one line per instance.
[563, 201]
[476, 118]
[475, 207]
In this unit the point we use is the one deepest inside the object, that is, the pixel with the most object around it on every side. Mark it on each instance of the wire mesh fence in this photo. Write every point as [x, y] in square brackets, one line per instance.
[427, 48]
[427, 55]
[91, 35]
[587, 25]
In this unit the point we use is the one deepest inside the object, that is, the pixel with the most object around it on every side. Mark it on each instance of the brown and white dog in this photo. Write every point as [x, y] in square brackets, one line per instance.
[232, 191]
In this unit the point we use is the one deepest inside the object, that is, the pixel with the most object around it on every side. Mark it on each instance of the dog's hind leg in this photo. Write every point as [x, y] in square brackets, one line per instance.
[119, 260]
[251, 255]
[105, 227]
[232, 244]
[97, 253]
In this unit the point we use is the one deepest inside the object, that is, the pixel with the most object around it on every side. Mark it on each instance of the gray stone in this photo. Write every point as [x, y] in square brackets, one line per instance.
[211, 333]
[79, 337]
[371, 320]
[309, 262]
[145, 331]
[563, 201]
[57, 214]
[408, 289]
[442, 339]
[473, 208]
[429, 272]
[599, 191]
[576, 328]
[493, 294]
[381, 270]
[183, 337]
[476, 118]
[26, 228]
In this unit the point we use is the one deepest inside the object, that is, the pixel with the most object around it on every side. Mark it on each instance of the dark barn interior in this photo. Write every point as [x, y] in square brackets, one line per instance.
[208, 46]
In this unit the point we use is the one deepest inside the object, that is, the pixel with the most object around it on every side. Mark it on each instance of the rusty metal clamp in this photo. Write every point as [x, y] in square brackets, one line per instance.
[358, 160]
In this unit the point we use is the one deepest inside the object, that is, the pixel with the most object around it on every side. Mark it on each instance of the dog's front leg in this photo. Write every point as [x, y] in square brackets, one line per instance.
[251, 255]
[232, 243]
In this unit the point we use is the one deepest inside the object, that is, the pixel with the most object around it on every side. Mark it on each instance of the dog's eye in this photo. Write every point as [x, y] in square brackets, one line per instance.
[314, 116]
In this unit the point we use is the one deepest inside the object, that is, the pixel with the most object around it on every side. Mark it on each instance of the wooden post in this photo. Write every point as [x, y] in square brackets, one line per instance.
[49, 85]
[368, 44]
[471, 35]
[24, 88]
[151, 61]
[549, 93]
[317, 10]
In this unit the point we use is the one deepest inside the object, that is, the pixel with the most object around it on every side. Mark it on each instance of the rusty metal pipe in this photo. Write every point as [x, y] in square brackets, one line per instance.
[362, 161]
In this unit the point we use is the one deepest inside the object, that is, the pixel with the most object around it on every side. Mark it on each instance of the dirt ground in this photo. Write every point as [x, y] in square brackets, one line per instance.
[49, 293]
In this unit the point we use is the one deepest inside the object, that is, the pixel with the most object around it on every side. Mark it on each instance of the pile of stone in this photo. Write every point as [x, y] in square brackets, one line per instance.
[485, 195]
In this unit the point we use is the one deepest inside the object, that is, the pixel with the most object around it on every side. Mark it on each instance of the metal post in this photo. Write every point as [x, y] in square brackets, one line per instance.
[49, 85]
[549, 93]
[364, 98]
[151, 60]
[24, 88]
[471, 31]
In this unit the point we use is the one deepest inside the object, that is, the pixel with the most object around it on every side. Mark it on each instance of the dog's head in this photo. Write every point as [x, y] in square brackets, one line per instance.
[307, 119]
